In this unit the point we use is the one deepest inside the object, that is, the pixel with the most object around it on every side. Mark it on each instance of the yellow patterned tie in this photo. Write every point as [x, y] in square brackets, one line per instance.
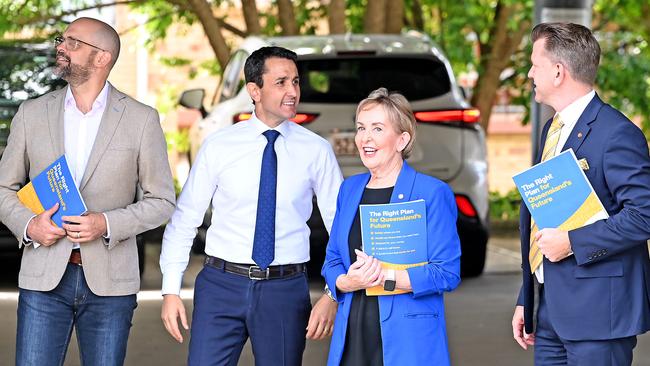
[552, 138]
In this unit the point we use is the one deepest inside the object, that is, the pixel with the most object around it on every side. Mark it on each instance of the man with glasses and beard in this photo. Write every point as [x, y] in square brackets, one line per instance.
[85, 274]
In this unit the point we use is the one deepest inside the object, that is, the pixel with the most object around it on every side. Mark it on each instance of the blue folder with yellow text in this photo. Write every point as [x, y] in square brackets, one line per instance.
[52, 185]
[396, 234]
[558, 194]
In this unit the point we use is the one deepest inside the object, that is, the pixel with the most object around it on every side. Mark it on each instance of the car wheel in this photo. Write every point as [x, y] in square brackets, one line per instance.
[472, 262]
[473, 245]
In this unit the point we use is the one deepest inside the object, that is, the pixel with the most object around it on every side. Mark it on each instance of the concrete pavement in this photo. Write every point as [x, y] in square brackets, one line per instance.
[478, 318]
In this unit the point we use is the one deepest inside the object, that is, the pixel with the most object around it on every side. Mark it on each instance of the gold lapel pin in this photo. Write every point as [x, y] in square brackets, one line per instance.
[584, 165]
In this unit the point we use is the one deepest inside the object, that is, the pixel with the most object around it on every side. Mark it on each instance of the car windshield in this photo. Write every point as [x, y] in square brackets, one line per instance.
[349, 80]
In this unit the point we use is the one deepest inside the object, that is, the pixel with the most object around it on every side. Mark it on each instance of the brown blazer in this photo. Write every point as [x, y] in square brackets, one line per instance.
[129, 154]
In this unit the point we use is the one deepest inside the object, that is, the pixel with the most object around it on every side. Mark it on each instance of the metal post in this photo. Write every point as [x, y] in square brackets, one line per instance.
[570, 11]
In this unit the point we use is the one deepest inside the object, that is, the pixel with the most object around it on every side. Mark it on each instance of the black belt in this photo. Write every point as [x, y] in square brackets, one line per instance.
[254, 272]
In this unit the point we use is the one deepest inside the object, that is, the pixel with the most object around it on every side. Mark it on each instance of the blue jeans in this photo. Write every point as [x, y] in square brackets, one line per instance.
[46, 319]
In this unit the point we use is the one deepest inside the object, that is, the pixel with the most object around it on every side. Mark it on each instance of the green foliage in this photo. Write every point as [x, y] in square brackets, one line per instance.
[160, 16]
[624, 75]
[504, 207]
[354, 11]
[211, 66]
[318, 81]
[270, 23]
[26, 70]
[623, 30]
[38, 14]
[518, 83]
[177, 187]
[174, 61]
[178, 141]
[308, 14]
[167, 98]
[462, 28]
[459, 27]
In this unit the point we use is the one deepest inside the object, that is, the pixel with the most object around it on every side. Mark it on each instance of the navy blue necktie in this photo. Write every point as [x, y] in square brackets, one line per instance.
[264, 241]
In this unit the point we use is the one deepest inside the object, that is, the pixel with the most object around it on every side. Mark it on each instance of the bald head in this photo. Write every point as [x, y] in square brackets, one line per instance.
[103, 36]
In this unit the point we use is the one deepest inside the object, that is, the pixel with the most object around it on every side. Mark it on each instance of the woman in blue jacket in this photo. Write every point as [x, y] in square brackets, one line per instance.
[404, 329]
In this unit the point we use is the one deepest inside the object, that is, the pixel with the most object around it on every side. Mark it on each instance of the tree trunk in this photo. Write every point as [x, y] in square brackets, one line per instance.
[416, 15]
[501, 45]
[251, 16]
[336, 18]
[212, 30]
[394, 16]
[287, 18]
[374, 20]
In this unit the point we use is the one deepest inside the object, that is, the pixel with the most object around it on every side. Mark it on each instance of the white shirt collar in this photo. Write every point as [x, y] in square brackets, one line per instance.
[261, 127]
[571, 113]
[100, 101]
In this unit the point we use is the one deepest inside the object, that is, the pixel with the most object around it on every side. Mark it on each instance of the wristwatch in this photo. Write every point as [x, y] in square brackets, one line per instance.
[389, 282]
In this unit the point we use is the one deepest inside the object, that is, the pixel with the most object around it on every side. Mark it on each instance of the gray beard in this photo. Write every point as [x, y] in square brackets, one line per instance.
[75, 74]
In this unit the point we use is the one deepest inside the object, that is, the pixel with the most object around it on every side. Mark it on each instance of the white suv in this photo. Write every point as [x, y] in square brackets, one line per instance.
[336, 73]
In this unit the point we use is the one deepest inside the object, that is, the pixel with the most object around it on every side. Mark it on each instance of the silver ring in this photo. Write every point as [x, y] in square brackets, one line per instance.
[78, 234]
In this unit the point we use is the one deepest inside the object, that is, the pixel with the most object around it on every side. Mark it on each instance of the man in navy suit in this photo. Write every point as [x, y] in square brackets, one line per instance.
[593, 282]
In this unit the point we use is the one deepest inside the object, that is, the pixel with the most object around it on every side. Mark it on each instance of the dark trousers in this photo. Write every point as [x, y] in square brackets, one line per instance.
[229, 308]
[551, 349]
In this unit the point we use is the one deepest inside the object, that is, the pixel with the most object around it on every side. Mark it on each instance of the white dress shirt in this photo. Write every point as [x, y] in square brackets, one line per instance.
[79, 133]
[569, 115]
[226, 173]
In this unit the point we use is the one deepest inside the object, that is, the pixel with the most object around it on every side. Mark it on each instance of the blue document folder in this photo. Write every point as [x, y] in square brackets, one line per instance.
[52, 185]
[396, 234]
[558, 194]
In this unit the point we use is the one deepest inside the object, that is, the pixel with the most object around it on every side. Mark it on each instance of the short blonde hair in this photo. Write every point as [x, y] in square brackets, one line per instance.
[398, 110]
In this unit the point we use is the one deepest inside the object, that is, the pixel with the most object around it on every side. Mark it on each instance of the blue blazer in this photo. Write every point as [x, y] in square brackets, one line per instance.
[412, 325]
[603, 290]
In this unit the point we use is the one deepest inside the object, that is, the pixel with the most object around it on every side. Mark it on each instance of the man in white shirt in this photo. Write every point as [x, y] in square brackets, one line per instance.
[84, 275]
[593, 283]
[260, 176]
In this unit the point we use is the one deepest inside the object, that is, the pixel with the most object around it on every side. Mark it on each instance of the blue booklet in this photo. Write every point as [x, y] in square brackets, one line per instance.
[558, 194]
[52, 185]
[396, 234]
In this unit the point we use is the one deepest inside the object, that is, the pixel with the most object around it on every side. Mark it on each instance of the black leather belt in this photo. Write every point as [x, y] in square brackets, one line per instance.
[254, 272]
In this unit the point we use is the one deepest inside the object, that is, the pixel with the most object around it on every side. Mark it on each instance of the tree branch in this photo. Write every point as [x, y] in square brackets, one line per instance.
[231, 28]
[131, 29]
[251, 16]
[287, 18]
[47, 17]
[212, 29]
[182, 5]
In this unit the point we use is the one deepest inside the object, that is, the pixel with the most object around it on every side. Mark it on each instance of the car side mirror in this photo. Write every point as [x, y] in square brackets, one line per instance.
[193, 99]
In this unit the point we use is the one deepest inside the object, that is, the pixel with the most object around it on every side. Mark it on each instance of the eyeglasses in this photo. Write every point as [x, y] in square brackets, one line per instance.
[72, 43]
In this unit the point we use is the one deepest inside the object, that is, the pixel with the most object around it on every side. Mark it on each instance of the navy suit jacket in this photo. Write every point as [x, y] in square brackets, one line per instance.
[413, 324]
[602, 291]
